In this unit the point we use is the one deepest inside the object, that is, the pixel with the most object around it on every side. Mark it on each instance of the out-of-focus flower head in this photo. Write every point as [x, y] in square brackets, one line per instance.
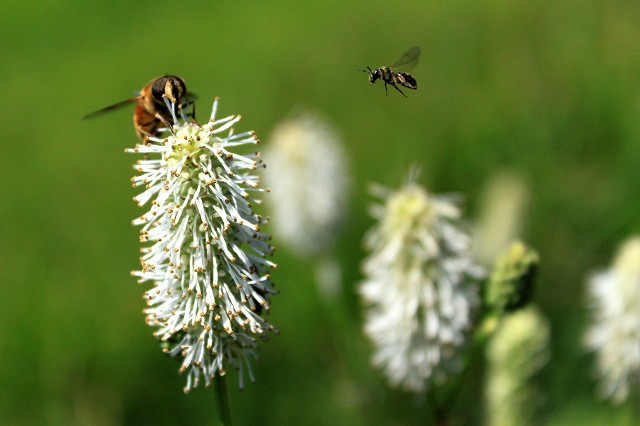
[502, 211]
[420, 286]
[614, 335]
[308, 173]
[515, 355]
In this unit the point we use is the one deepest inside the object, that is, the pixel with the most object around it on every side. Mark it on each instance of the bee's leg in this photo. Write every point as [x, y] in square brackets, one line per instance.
[145, 141]
[385, 89]
[398, 89]
[164, 121]
[191, 114]
[146, 131]
[143, 134]
[193, 110]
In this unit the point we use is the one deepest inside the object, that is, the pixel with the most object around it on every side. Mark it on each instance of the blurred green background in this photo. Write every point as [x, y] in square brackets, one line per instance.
[547, 88]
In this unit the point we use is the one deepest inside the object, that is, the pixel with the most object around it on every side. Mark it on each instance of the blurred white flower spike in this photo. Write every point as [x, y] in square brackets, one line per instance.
[308, 173]
[516, 354]
[503, 210]
[420, 286]
[614, 335]
[203, 250]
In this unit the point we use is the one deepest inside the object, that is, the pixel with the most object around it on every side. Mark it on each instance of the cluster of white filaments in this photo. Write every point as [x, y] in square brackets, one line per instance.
[310, 183]
[203, 250]
[614, 335]
[420, 287]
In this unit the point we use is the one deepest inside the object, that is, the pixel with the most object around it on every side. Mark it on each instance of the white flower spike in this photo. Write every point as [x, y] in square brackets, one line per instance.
[203, 249]
[308, 173]
[614, 335]
[420, 287]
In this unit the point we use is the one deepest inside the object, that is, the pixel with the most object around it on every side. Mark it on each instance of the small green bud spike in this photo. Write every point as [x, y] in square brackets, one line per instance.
[510, 286]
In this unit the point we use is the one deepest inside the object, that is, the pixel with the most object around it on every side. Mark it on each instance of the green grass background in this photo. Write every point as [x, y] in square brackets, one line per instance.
[548, 88]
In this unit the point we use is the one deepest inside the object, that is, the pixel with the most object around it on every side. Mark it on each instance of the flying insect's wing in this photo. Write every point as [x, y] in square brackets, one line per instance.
[408, 61]
[110, 108]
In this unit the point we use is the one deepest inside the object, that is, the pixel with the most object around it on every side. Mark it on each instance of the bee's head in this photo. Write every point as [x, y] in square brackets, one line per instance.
[170, 87]
[373, 75]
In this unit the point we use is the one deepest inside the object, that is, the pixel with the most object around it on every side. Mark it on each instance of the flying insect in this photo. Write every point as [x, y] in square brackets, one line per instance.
[153, 105]
[393, 78]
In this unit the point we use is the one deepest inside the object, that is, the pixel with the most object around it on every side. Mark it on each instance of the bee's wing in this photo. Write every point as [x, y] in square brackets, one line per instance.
[111, 108]
[408, 61]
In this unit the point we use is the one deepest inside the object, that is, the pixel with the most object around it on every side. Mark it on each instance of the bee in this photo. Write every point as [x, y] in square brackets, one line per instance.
[153, 105]
[407, 62]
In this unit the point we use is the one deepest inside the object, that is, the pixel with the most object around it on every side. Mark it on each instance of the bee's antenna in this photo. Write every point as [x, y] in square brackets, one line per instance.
[368, 72]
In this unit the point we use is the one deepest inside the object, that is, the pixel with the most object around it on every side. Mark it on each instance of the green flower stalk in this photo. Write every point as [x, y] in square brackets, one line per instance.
[203, 249]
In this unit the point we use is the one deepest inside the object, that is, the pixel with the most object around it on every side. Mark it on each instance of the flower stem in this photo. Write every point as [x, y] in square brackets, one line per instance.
[224, 410]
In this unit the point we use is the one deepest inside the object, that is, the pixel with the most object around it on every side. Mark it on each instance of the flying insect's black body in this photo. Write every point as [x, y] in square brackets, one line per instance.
[392, 78]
